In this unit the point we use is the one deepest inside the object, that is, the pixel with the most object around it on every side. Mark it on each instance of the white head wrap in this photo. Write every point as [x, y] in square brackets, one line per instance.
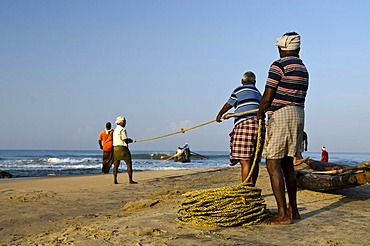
[323, 148]
[120, 119]
[286, 42]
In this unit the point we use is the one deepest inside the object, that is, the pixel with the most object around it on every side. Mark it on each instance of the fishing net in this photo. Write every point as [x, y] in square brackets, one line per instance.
[238, 205]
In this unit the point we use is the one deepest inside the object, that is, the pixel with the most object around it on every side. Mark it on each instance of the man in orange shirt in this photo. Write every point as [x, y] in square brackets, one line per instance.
[105, 141]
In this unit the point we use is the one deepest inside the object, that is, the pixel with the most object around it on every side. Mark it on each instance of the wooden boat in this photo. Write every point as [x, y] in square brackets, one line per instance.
[320, 176]
[183, 155]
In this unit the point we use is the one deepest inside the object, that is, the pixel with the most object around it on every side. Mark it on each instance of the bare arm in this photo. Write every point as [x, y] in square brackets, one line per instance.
[267, 98]
[223, 110]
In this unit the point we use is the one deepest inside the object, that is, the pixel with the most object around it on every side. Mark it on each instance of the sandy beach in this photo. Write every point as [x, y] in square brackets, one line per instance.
[91, 210]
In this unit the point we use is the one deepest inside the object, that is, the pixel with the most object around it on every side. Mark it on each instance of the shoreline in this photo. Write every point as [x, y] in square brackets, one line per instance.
[123, 171]
[55, 163]
[91, 210]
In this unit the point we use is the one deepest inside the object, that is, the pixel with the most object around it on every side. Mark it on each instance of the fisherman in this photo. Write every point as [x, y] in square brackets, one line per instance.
[120, 148]
[304, 147]
[243, 138]
[105, 142]
[284, 100]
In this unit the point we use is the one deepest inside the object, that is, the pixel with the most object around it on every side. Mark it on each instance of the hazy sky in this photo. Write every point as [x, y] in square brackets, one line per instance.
[68, 67]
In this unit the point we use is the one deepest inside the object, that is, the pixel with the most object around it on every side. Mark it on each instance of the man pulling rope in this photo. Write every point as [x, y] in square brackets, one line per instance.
[243, 137]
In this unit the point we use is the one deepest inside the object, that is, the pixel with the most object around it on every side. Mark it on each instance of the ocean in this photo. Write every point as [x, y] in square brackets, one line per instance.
[40, 163]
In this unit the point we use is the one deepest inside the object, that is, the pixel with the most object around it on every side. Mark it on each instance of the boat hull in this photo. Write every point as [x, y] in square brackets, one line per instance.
[319, 176]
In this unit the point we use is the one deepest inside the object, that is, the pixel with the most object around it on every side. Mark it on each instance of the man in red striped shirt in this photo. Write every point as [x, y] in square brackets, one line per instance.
[283, 100]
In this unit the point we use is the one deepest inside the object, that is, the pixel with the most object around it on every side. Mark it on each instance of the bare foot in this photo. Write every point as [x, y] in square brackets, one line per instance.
[133, 182]
[276, 220]
[294, 215]
[115, 182]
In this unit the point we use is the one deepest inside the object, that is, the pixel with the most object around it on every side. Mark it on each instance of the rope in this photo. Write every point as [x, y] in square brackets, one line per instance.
[182, 130]
[258, 146]
[226, 206]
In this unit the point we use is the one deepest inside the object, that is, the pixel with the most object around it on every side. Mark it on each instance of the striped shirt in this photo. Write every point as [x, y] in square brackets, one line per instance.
[245, 98]
[289, 76]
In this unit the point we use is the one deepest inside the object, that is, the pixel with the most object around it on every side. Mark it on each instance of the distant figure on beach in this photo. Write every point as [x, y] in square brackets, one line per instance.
[324, 154]
[105, 141]
[283, 100]
[243, 138]
[120, 149]
[304, 147]
[304, 142]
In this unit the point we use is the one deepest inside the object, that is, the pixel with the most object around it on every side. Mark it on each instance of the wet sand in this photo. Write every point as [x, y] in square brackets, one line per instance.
[91, 210]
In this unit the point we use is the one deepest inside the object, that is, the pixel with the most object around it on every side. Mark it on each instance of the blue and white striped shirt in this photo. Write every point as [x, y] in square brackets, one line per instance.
[244, 98]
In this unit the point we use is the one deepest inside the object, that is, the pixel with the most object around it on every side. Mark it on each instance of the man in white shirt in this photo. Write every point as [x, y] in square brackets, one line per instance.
[120, 149]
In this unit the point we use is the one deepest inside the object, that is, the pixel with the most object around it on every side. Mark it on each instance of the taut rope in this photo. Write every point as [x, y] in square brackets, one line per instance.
[182, 130]
[226, 206]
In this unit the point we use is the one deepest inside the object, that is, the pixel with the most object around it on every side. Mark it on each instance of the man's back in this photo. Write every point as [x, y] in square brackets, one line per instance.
[244, 98]
[290, 77]
[106, 136]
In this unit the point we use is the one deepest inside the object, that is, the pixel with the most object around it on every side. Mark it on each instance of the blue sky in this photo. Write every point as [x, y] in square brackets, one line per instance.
[67, 67]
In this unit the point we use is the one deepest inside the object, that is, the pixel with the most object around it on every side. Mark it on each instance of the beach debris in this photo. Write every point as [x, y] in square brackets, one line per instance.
[139, 204]
[238, 205]
[147, 231]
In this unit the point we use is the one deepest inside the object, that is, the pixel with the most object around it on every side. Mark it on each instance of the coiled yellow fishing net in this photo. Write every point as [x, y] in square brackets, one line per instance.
[238, 205]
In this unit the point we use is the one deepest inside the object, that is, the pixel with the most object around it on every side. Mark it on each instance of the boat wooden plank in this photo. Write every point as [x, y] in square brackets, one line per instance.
[319, 176]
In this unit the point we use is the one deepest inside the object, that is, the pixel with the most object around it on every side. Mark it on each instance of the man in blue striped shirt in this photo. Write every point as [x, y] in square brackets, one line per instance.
[243, 138]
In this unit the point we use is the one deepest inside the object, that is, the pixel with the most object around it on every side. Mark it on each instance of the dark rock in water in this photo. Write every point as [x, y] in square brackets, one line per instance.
[5, 175]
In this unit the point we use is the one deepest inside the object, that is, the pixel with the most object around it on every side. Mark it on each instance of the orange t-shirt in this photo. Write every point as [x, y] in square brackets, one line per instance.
[107, 140]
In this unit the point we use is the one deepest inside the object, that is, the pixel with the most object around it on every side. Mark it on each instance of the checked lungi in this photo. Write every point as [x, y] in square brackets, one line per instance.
[284, 133]
[243, 140]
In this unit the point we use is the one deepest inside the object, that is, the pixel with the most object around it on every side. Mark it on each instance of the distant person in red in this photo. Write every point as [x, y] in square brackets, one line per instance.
[105, 141]
[324, 154]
